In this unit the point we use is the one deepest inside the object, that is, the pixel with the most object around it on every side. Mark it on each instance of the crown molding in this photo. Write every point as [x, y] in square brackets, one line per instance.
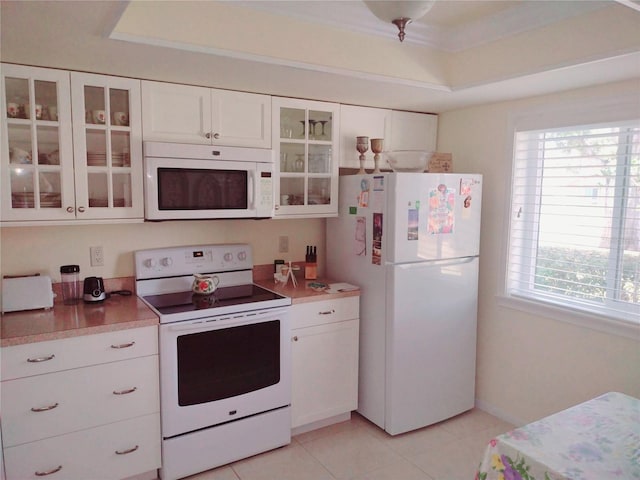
[356, 17]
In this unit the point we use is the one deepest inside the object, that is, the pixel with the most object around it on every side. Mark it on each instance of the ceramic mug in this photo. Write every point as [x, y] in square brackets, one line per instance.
[38, 111]
[13, 110]
[120, 118]
[204, 284]
[17, 155]
[98, 116]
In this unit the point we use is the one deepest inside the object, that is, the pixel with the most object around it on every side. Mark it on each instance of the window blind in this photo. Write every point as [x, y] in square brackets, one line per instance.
[574, 237]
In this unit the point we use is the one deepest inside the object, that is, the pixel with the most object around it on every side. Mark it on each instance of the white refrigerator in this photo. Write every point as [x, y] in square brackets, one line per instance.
[410, 241]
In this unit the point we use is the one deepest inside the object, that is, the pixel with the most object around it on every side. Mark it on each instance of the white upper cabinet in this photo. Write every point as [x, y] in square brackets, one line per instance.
[361, 122]
[37, 145]
[305, 142]
[199, 115]
[400, 131]
[107, 130]
[71, 147]
[412, 131]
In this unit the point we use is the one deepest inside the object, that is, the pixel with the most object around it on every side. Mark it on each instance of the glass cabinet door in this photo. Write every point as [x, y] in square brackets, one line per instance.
[37, 156]
[108, 158]
[307, 148]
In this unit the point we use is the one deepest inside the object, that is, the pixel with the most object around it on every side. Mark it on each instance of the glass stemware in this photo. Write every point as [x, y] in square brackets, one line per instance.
[362, 145]
[303, 127]
[377, 146]
[323, 123]
[312, 129]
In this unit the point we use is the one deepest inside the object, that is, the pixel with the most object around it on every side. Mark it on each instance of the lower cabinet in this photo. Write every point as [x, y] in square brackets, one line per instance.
[325, 359]
[113, 451]
[82, 408]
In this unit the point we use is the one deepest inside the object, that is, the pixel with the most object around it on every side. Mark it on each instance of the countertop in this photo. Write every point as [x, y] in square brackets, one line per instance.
[303, 293]
[119, 312]
[63, 321]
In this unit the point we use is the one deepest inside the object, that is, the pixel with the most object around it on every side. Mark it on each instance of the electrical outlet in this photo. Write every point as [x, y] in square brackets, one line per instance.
[97, 256]
[283, 244]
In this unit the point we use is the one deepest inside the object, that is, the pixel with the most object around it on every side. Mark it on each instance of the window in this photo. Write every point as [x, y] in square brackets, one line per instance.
[574, 238]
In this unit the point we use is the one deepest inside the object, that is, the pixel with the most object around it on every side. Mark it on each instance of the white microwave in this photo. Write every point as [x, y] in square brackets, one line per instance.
[190, 182]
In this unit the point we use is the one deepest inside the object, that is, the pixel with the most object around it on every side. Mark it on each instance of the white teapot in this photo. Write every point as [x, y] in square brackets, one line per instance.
[204, 284]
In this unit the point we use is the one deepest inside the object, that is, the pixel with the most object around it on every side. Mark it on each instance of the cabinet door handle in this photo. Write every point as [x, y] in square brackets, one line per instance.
[70, 209]
[295, 338]
[124, 345]
[49, 472]
[216, 136]
[327, 312]
[41, 359]
[207, 135]
[44, 409]
[124, 452]
[81, 209]
[125, 391]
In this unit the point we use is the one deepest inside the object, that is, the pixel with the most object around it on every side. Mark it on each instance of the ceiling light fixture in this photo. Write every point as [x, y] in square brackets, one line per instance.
[399, 12]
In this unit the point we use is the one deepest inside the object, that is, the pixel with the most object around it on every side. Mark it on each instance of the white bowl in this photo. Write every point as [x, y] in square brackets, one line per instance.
[408, 160]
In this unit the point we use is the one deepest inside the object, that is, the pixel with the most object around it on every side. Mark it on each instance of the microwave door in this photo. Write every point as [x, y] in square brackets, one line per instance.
[199, 189]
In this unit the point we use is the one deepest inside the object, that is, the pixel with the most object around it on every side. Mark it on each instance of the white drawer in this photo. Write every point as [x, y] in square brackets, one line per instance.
[324, 311]
[90, 454]
[56, 355]
[78, 399]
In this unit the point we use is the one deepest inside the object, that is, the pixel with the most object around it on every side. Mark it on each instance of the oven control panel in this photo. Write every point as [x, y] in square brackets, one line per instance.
[174, 261]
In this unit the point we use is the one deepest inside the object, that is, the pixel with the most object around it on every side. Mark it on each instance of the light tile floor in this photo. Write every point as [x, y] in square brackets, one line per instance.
[359, 450]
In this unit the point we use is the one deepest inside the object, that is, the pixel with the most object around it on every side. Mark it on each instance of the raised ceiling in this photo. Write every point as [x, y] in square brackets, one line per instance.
[461, 53]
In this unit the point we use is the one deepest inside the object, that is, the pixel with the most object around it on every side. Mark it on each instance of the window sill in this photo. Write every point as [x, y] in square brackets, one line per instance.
[575, 317]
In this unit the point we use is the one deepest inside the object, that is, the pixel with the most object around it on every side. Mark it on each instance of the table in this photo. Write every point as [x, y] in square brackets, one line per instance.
[595, 440]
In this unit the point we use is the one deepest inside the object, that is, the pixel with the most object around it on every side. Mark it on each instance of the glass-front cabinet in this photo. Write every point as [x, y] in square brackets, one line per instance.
[107, 135]
[305, 140]
[37, 148]
[71, 146]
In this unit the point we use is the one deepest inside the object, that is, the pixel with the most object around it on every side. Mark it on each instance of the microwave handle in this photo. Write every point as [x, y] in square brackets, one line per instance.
[252, 189]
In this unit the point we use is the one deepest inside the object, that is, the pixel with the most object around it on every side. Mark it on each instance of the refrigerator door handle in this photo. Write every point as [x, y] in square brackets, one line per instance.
[448, 261]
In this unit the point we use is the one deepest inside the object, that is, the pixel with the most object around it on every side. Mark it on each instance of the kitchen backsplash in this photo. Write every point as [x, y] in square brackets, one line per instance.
[29, 250]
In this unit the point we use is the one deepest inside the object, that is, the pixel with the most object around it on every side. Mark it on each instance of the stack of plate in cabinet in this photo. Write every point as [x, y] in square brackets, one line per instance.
[96, 159]
[119, 159]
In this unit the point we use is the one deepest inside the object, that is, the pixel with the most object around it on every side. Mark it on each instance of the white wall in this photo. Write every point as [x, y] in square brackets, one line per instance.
[528, 366]
[43, 249]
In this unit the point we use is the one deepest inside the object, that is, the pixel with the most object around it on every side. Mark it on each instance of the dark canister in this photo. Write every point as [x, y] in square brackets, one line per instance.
[94, 290]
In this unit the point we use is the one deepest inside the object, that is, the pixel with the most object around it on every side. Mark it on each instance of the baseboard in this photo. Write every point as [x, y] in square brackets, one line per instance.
[501, 414]
[151, 475]
[343, 417]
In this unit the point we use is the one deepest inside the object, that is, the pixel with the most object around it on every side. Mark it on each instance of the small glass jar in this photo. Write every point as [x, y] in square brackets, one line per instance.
[70, 278]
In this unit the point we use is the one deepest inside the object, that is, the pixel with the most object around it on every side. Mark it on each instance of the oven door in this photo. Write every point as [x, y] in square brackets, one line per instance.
[177, 189]
[220, 369]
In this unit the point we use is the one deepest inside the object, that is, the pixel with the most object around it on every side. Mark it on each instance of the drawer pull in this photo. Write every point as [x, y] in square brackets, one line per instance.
[327, 312]
[124, 452]
[124, 345]
[50, 472]
[41, 359]
[44, 409]
[124, 392]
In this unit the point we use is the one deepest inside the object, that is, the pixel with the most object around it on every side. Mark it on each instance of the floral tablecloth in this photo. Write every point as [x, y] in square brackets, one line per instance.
[595, 440]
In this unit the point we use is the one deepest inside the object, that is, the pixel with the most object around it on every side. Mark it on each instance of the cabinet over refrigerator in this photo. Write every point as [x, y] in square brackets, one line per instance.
[411, 242]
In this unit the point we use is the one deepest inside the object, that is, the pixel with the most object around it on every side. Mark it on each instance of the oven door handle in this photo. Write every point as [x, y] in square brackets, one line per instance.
[226, 321]
[189, 326]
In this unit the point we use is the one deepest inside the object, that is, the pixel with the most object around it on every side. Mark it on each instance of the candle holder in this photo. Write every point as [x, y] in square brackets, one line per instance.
[362, 145]
[377, 146]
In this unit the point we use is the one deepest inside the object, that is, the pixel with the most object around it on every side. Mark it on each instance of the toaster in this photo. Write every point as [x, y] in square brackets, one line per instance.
[26, 293]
